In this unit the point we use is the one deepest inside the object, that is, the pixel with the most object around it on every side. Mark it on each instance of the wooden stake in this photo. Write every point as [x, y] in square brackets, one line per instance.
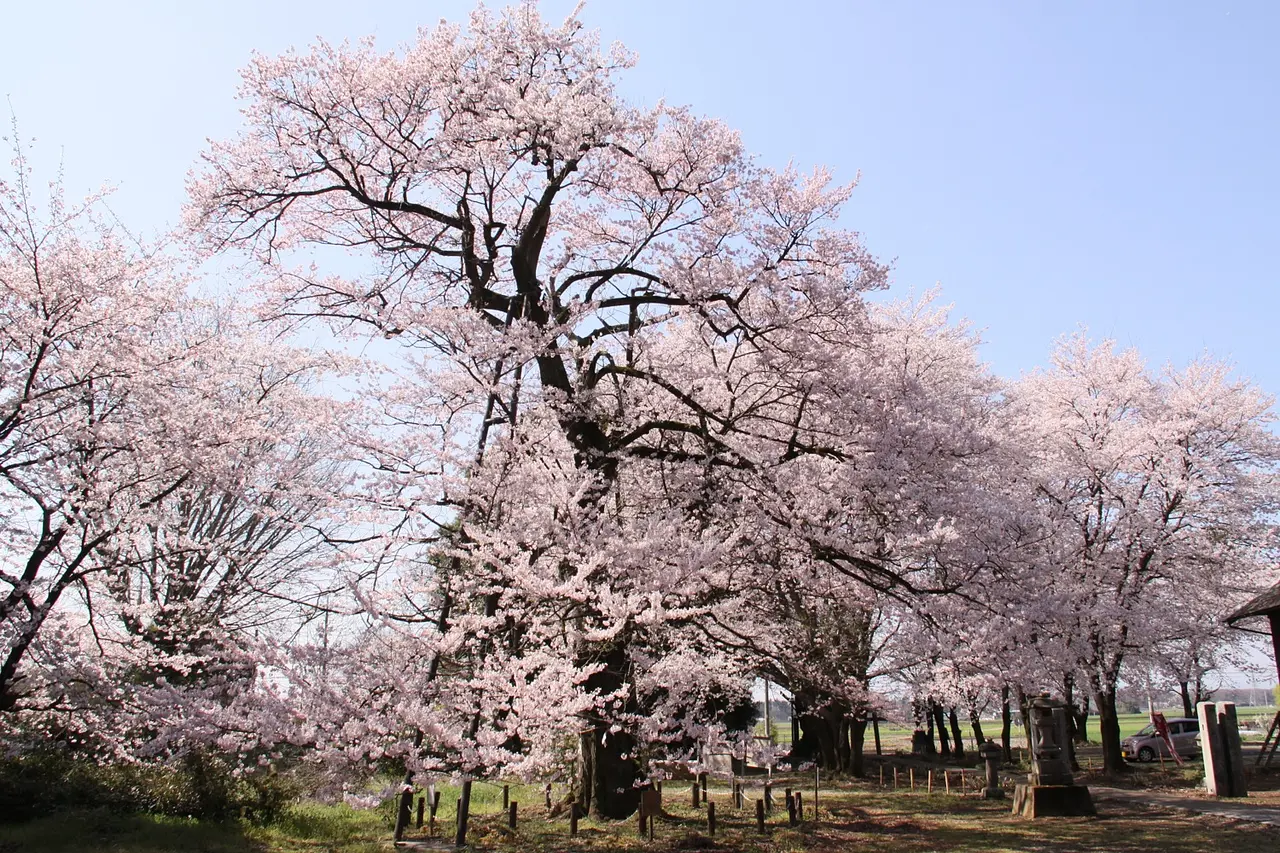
[760, 816]
[912, 772]
[799, 807]
[511, 816]
[506, 797]
[946, 780]
[817, 780]
[711, 818]
[929, 790]
[694, 792]
[422, 807]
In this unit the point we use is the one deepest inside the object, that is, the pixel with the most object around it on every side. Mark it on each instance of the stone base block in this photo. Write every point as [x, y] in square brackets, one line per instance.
[1052, 801]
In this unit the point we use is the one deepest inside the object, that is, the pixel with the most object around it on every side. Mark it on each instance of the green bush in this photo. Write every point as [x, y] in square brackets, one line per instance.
[201, 785]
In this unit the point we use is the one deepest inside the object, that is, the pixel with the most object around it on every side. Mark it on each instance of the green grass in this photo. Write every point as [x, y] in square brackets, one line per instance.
[860, 817]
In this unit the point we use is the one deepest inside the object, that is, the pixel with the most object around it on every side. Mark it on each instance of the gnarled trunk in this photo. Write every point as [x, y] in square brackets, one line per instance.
[608, 769]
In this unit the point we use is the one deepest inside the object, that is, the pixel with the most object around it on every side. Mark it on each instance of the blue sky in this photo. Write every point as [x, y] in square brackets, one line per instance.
[1112, 165]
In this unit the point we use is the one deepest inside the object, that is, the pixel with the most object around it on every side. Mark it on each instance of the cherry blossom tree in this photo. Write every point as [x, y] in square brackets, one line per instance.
[1158, 493]
[156, 470]
[609, 287]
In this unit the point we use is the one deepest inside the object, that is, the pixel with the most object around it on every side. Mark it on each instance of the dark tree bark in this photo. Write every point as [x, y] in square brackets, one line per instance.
[957, 741]
[975, 723]
[940, 723]
[1187, 709]
[609, 770]
[857, 742]
[1109, 721]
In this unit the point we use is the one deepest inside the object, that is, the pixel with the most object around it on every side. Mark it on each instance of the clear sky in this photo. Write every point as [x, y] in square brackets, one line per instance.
[1051, 165]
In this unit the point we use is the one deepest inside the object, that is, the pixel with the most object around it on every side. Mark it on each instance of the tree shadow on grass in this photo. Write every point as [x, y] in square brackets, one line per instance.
[94, 830]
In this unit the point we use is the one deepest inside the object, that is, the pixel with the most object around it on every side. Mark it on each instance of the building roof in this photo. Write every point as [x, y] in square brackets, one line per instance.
[1263, 605]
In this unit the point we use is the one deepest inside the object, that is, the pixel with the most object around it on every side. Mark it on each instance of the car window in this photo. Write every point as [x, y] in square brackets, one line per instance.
[1146, 731]
[1176, 728]
[1193, 726]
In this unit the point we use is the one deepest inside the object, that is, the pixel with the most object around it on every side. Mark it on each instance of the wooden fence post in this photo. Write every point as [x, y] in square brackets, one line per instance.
[422, 807]
[817, 779]
[711, 818]
[694, 792]
[791, 809]
[760, 816]
[912, 772]
[768, 797]
[930, 788]
[511, 815]
[506, 797]
[946, 780]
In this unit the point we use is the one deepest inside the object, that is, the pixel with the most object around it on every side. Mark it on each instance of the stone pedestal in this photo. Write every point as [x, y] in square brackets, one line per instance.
[1053, 801]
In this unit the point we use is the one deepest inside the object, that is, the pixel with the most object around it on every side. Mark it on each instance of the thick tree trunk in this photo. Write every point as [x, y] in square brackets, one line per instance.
[1187, 709]
[857, 741]
[956, 740]
[821, 736]
[940, 723]
[608, 770]
[1006, 725]
[1112, 761]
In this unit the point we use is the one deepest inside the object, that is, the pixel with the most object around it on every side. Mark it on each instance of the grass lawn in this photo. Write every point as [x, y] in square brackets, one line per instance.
[853, 817]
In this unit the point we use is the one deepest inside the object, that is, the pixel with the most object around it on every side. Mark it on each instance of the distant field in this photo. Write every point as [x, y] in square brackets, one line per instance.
[1254, 721]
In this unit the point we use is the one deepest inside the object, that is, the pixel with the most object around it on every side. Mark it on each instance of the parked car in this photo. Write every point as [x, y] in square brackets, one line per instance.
[1146, 745]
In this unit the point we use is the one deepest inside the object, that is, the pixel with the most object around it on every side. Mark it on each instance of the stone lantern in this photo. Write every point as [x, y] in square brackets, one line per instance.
[991, 754]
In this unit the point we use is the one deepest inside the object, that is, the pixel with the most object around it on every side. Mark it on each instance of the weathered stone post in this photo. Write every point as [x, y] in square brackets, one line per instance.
[1220, 746]
[991, 754]
[1052, 791]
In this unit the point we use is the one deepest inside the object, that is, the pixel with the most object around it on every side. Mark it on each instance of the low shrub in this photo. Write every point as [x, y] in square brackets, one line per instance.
[200, 785]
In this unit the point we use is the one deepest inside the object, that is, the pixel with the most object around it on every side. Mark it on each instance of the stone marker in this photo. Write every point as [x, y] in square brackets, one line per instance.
[1052, 791]
[1220, 746]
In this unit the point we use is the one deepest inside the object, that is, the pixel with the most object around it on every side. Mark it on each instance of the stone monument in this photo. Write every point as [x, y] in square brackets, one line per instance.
[1220, 746]
[1051, 790]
